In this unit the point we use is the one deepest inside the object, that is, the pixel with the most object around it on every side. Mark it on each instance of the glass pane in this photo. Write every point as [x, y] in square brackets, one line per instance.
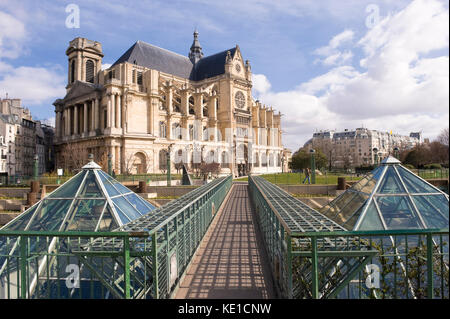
[116, 184]
[414, 183]
[391, 184]
[69, 188]
[108, 186]
[90, 187]
[343, 200]
[434, 210]
[351, 208]
[21, 221]
[139, 204]
[126, 208]
[398, 213]
[371, 220]
[86, 214]
[108, 222]
[51, 214]
[123, 218]
[369, 186]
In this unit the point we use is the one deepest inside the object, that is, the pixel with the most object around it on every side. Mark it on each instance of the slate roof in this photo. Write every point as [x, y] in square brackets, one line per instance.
[153, 57]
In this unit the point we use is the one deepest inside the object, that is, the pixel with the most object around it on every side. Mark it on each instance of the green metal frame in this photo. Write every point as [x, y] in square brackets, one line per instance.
[132, 262]
[320, 259]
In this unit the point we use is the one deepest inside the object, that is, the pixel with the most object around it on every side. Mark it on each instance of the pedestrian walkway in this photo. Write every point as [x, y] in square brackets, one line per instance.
[231, 261]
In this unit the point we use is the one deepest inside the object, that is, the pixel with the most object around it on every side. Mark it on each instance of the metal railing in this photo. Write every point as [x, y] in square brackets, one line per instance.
[144, 259]
[312, 258]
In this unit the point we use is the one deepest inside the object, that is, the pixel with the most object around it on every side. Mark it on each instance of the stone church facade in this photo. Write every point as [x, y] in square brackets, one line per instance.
[152, 101]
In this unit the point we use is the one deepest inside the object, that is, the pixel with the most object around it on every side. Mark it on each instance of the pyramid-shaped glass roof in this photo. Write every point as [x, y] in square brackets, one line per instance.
[90, 201]
[390, 197]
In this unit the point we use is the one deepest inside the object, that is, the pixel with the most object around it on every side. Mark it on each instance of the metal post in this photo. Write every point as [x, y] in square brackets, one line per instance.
[36, 167]
[23, 267]
[313, 166]
[168, 168]
[289, 265]
[155, 265]
[126, 266]
[430, 293]
[109, 164]
[315, 272]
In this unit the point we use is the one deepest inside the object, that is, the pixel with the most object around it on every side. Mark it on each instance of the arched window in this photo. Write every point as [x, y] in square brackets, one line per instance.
[90, 71]
[224, 159]
[163, 160]
[72, 71]
[191, 106]
[176, 131]
[271, 160]
[264, 159]
[162, 130]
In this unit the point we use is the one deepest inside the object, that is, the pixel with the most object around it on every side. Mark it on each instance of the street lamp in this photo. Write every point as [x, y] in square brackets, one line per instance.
[36, 167]
[109, 164]
[169, 178]
[375, 152]
[313, 166]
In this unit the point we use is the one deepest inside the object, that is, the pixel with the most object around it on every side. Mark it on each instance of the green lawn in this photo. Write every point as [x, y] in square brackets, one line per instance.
[297, 178]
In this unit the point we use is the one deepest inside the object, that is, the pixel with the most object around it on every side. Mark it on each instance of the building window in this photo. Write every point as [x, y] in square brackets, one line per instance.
[162, 130]
[191, 132]
[133, 76]
[176, 131]
[191, 106]
[90, 71]
[139, 78]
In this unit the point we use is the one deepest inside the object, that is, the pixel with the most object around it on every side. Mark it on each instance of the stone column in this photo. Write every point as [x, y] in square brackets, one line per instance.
[96, 114]
[57, 123]
[118, 111]
[85, 118]
[184, 102]
[113, 111]
[198, 105]
[92, 115]
[75, 119]
[108, 111]
[169, 100]
[69, 131]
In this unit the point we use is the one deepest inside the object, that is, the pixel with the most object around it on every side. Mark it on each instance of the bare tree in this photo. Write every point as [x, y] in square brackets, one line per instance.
[443, 137]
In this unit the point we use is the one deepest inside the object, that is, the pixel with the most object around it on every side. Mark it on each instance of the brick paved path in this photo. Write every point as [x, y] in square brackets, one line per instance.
[231, 262]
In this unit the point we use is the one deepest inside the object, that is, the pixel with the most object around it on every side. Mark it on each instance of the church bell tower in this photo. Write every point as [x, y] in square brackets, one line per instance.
[84, 61]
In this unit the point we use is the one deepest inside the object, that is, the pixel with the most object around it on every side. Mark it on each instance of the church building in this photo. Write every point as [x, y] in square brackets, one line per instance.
[152, 101]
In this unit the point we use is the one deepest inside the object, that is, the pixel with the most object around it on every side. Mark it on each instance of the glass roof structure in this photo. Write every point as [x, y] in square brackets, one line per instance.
[90, 201]
[390, 197]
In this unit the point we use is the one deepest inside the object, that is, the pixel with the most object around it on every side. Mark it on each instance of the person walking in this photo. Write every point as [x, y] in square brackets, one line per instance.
[307, 174]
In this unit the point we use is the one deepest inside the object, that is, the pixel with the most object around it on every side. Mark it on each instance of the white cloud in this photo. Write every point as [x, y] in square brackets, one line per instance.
[261, 84]
[34, 85]
[404, 84]
[331, 53]
[12, 33]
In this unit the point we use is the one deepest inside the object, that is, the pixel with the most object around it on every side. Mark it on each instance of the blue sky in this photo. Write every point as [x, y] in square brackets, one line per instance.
[319, 62]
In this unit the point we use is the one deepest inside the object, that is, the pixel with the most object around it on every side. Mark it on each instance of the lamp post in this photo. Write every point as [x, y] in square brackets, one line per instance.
[313, 166]
[36, 167]
[169, 178]
[375, 152]
[109, 164]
